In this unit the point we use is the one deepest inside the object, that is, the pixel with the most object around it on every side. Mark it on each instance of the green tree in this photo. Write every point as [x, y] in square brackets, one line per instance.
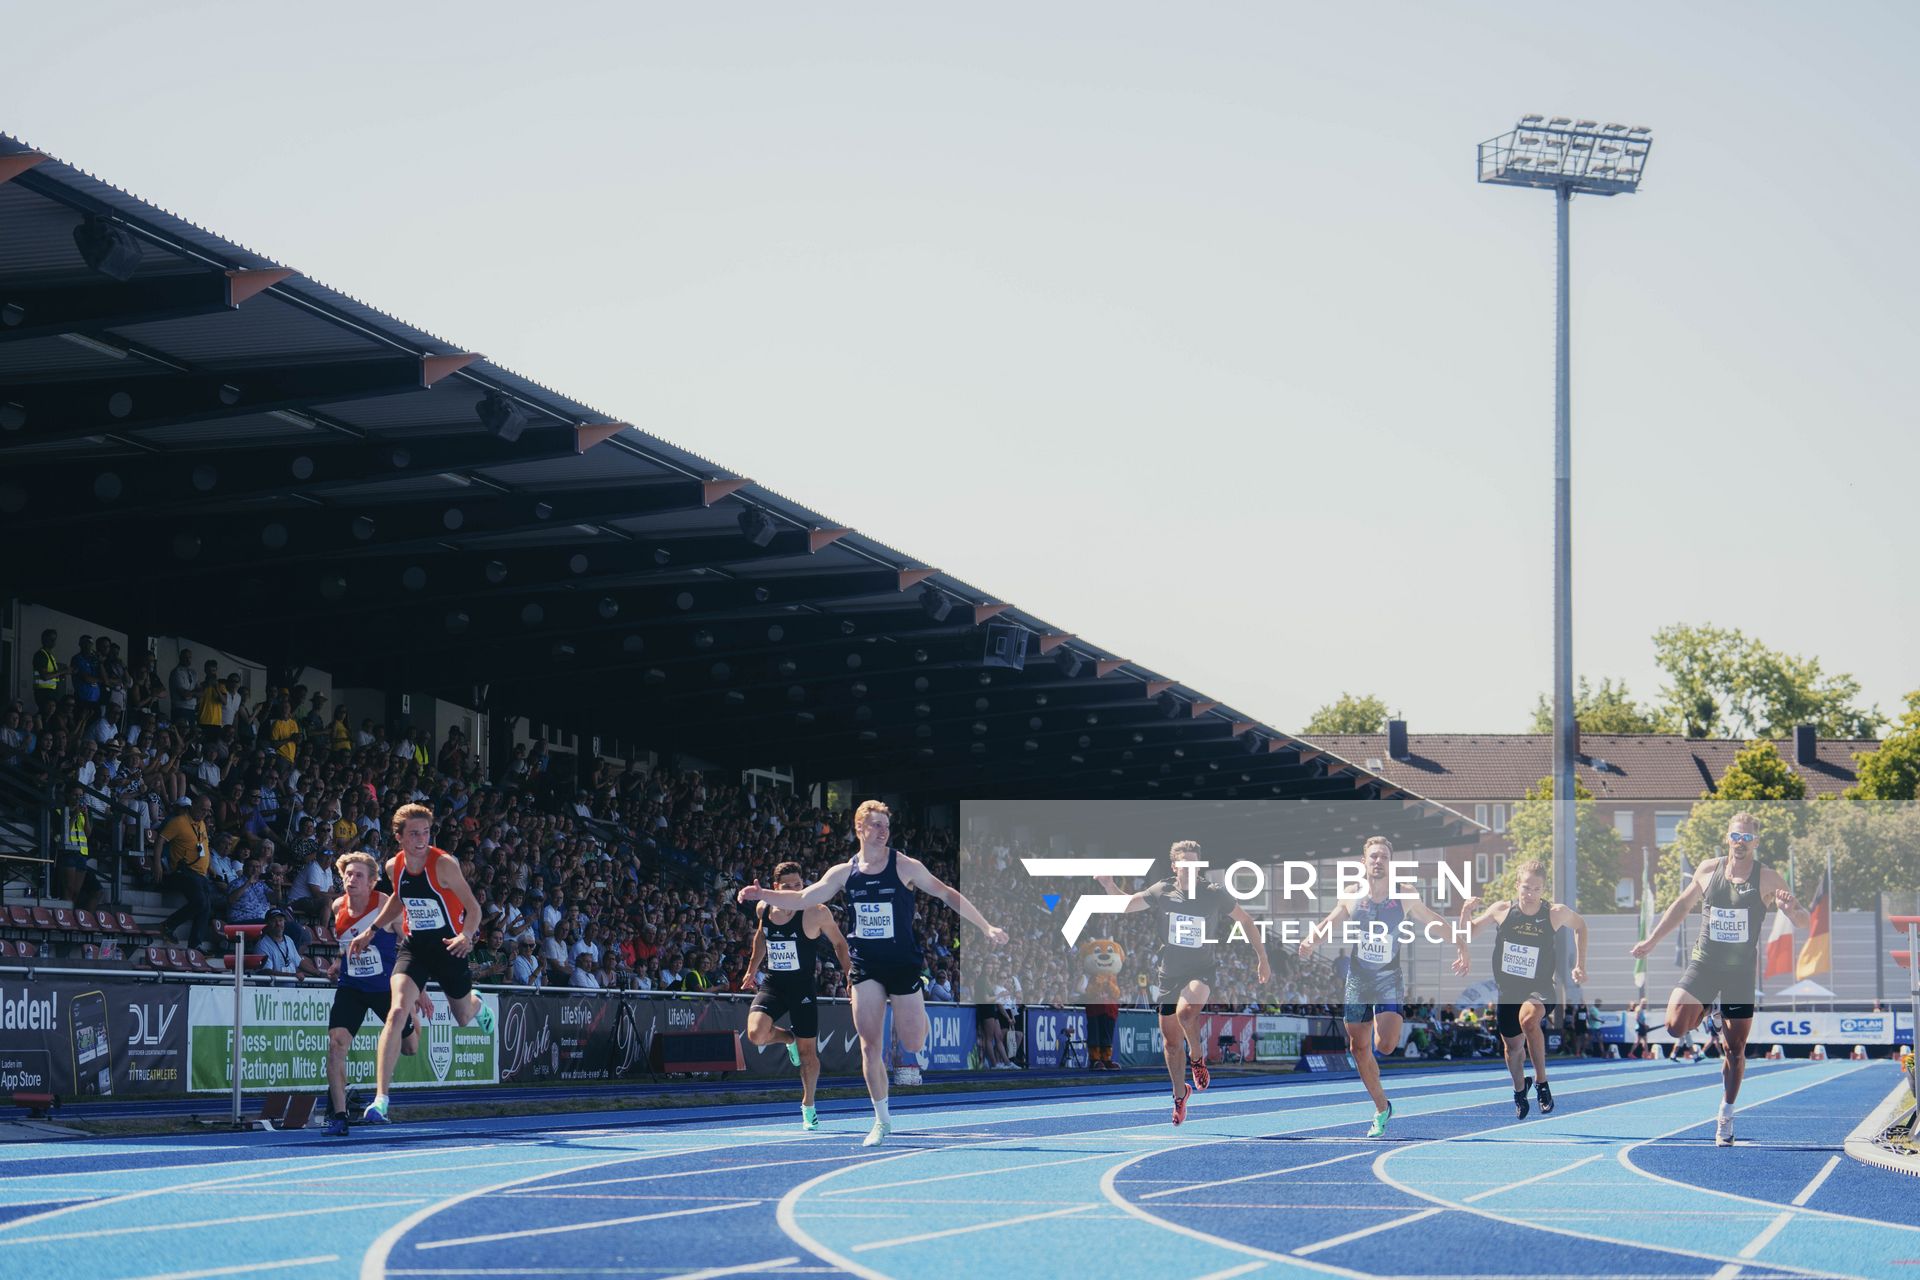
[1608, 709]
[1875, 846]
[1348, 714]
[1759, 782]
[1893, 772]
[1726, 684]
[1597, 848]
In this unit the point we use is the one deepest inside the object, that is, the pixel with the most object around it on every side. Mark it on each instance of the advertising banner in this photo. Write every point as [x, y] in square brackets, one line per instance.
[1136, 1041]
[576, 1036]
[1771, 1027]
[81, 1039]
[1277, 1039]
[951, 1036]
[284, 1043]
[837, 1043]
[1229, 1037]
[1056, 1038]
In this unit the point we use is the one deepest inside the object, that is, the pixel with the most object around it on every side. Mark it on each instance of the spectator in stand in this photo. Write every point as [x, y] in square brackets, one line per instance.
[78, 882]
[249, 900]
[283, 955]
[584, 977]
[186, 858]
[490, 960]
[283, 731]
[85, 669]
[557, 952]
[526, 965]
[313, 887]
[211, 710]
[183, 689]
[48, 674]
[340, 735]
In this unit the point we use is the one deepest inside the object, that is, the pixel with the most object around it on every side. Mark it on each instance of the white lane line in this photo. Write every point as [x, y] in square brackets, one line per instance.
[687, 1173]
[970, 1173]
[1513, 1219]
[171, 1226]
[587, 1226]
[1538, 1177]
[1307, 1249]
[978, 1226]
[1806, 1192]
[708, 1274]
[1249, 1177]
[245, 1268]
[1230, 1272]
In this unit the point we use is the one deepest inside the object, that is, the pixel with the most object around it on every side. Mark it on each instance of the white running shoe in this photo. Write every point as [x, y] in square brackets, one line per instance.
[906, 1076]
[878, 1134]
[1723, 1131]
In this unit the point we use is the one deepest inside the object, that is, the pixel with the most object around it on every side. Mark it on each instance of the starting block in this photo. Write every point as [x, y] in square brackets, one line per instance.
[288, 1110]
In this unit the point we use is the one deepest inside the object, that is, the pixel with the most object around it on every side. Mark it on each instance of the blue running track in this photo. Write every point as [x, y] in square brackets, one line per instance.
[1269, 1177]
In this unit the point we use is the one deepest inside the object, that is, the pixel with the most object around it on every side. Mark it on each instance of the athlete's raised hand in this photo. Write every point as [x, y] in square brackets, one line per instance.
[748, 892]
[1468, 907]
[1783, 900]
[997, 935]
[1641, 949]
[1106, 882]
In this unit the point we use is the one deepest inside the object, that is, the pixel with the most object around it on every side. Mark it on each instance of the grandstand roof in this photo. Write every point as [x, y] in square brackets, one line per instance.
[217, 426]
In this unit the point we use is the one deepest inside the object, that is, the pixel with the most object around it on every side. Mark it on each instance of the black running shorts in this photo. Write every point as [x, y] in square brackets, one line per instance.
[800, 1006]
[898, 979]
[427, 959]
[351, 1006]
[1731, 987]
[1507, 1012]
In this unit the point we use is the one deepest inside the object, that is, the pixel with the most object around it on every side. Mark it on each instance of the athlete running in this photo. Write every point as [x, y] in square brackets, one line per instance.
[1374, 989]
[788, 946]
[365, 981]
[1733, 892]
[879, 882]
[439, 917]
[1193, 922]
[1526, 963]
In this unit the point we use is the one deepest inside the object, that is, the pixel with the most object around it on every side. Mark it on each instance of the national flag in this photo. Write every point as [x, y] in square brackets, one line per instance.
[1680, 934]
[1817, 955]
[1646, 922]
[1779, 953]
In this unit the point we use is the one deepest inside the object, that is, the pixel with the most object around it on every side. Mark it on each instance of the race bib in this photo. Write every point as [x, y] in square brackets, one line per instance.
[1375, 950]
[368, 963]
[425, 913]
[1185, 931]
[1519, 959]
[783, 955]
[1727, 924]
[873, 919]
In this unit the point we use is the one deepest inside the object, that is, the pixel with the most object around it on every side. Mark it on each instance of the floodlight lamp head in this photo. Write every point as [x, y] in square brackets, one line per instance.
[502, 417]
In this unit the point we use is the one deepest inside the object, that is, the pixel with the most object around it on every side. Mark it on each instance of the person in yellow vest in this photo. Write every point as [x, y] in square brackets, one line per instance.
[47, 673]
[78, 884]
[284, 731]
[213, 703]
[187, 857]
[340, 736]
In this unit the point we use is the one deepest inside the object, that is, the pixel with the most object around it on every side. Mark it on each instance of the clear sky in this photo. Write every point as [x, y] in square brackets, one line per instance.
[1185, 327]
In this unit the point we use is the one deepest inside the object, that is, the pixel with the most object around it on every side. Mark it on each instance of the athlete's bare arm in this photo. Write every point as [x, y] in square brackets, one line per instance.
[1783, 900]
[914, 874]
[1496, 913]
[821, 890]
[1671, 918]
[1425, 914]
[1135, 902]
[1245, 921]
[758, 952]
[1565, 917]
[455, 879]
[1323, 932]
[825, 926]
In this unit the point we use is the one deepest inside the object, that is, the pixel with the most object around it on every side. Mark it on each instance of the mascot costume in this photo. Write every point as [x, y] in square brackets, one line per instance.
[1103, 959]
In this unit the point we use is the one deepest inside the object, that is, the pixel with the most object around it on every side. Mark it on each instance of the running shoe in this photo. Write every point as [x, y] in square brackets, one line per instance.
[1546, 1098]
[337, 1125]
[1201, 1078]
[878, 1134]
[1723, 1131]
[1520, 1104]
[905, 1076]
[809, 1119]
[1180, 1109]
[793, 1053]
[1380, 1119]
[376, 1112]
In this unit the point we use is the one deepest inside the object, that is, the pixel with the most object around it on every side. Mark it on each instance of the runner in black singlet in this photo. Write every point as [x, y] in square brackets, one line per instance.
[880, 882]
[1733, 892]
[1526, 965]
[788, 948]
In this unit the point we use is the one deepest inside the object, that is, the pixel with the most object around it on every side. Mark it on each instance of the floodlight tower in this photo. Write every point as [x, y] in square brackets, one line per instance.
[1563, 156]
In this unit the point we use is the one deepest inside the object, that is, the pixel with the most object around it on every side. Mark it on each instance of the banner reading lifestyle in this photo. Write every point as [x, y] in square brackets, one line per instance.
[286, 1043]
[88, 1039]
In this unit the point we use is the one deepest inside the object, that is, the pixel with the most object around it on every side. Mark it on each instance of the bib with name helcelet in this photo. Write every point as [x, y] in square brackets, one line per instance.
[1727, 924]
[1185, 930]
[425, 913]
[873, 919]
[1520, 960]
[783, 955]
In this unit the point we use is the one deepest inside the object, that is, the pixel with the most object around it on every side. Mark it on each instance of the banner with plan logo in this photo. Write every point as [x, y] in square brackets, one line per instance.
[284, 1043]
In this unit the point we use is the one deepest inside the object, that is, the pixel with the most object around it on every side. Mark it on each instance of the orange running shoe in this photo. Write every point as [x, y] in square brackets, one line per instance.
[1180, 1109]
[1200, 1077]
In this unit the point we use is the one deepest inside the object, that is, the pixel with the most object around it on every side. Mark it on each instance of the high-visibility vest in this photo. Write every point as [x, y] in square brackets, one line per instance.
[46, 671]
[420, 755]
[77, 831]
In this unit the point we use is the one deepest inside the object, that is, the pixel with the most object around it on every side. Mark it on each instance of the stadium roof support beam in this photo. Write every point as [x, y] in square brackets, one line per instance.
[56, 490]
[41, 412]
[38, 311]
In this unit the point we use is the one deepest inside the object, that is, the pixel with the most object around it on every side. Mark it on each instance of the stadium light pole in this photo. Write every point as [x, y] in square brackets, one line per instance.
[1565, 156]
